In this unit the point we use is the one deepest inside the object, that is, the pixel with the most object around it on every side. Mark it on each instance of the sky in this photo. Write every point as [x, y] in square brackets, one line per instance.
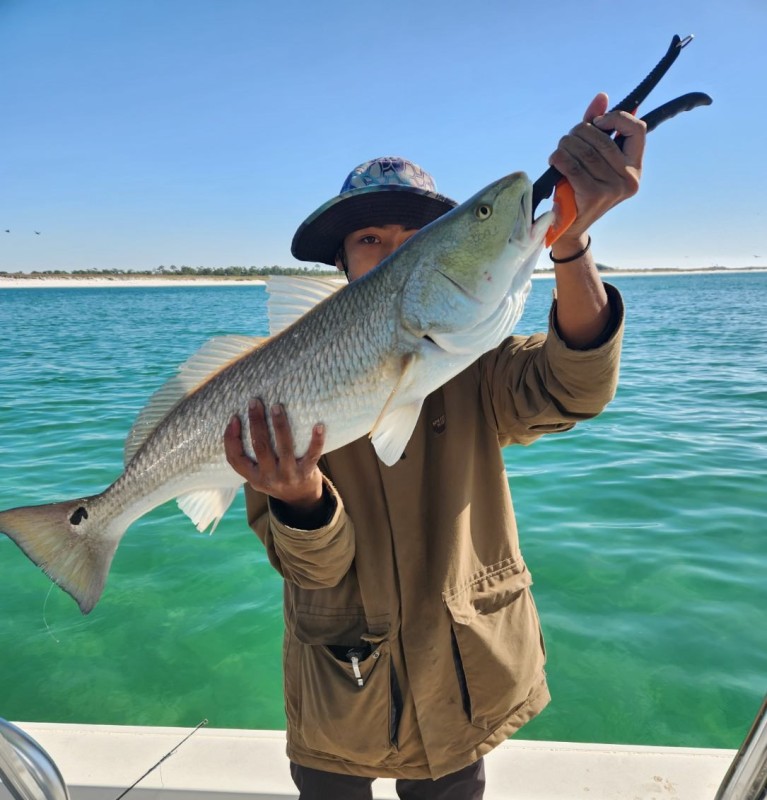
[140, 133]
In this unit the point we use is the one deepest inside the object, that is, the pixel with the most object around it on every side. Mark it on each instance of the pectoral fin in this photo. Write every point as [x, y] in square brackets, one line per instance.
[394, 426]
[393, 432]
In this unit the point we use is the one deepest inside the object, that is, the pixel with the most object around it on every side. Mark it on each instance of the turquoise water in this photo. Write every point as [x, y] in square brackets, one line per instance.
[644, 529]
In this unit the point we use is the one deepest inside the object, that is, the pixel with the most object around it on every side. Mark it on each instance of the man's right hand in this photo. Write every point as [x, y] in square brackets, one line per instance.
[277, 471]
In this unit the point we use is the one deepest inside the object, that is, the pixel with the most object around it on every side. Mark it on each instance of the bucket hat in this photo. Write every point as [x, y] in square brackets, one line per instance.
[383, 191]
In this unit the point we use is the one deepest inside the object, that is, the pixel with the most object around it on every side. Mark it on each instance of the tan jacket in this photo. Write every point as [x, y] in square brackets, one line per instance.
[418, 574]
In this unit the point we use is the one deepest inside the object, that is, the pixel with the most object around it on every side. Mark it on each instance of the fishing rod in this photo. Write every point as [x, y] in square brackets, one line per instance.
[29, 773]
[164, 758]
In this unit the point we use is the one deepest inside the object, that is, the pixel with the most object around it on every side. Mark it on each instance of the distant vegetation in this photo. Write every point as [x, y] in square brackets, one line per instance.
[199, 272]
[171, 271]
[235, 273]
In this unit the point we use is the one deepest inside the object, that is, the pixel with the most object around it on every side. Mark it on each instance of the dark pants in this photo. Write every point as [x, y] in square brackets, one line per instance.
[466, 784]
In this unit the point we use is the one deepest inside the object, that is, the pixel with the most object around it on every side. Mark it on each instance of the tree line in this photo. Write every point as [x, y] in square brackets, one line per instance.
[224, 272]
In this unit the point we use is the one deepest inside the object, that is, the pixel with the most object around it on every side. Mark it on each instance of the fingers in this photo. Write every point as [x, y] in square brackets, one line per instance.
[316, 445]
[596, 108]
[277, 470]
[235, 452]
[260, 439]
[283, 436]
[588, 147]
[588, 152]
[634, 130]
[600, 172]
[285, 447]
[623, 123]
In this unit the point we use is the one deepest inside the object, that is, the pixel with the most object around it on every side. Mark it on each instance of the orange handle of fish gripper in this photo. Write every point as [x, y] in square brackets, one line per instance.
[566, 212]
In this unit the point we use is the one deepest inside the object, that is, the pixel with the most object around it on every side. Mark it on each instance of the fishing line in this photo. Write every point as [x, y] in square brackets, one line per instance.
[45, 621]
[166, 756]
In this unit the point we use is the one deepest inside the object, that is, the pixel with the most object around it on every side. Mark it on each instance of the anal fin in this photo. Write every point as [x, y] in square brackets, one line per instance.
[204, 506]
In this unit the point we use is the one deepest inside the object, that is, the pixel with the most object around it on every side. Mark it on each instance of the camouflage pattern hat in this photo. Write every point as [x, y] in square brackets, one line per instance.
[384, 191]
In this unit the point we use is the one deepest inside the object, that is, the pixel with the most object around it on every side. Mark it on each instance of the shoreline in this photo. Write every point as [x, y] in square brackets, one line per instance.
[143, 281]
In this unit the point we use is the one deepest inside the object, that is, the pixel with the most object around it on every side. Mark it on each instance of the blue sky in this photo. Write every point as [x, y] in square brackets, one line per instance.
[139, 133]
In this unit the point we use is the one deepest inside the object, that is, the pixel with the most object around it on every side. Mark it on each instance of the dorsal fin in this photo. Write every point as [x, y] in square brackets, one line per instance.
[290, 297]
[213, 356]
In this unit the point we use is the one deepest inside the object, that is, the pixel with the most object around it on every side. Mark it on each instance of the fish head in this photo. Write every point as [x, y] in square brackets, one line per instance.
[466, 263]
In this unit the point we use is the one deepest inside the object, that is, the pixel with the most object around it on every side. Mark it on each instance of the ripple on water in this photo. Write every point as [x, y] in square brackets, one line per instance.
[644, 528]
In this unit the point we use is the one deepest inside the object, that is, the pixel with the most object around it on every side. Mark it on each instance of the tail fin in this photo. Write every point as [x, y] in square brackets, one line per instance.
[75, 552]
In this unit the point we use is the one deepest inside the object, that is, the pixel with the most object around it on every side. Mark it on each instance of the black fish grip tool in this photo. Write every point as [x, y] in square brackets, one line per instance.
[553, 181]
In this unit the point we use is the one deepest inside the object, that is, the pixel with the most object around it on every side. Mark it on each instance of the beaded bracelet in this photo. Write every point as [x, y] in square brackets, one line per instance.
[578, 255]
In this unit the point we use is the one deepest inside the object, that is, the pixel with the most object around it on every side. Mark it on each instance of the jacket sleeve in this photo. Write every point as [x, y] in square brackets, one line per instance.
[313, 559]
[535, 385]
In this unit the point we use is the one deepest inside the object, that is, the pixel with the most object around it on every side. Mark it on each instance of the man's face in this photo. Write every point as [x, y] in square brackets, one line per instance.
[368, 247]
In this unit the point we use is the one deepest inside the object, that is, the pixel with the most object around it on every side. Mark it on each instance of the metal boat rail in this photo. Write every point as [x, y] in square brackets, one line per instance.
[747, 777]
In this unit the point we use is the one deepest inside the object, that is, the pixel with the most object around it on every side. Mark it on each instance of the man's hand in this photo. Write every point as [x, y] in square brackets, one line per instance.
[277, 471]
[601, 174]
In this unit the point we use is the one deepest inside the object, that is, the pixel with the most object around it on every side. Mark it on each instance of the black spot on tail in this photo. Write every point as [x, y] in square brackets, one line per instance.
[79, 515]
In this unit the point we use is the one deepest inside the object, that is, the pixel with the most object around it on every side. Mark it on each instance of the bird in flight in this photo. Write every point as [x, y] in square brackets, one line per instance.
[37, 232]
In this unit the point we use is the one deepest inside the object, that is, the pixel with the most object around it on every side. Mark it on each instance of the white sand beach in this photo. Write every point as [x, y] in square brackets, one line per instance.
[147, 281]
[80, 282]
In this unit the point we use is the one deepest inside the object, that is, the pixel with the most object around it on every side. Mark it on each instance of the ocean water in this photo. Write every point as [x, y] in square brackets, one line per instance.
[645, 529]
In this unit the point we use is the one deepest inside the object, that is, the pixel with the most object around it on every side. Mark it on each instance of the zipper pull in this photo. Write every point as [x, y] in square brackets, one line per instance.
[356, 669]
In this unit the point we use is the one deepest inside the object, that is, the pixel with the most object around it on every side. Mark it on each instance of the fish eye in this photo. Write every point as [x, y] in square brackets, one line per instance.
[483, 211]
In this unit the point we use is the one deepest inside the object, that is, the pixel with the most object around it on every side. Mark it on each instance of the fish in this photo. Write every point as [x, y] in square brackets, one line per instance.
[360, 359]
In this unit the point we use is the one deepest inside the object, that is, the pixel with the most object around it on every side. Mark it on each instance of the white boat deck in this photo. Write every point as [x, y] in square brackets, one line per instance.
[98, 762]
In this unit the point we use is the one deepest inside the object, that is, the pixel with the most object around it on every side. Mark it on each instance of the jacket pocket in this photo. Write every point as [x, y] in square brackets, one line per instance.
[344, 689]
[497, 642]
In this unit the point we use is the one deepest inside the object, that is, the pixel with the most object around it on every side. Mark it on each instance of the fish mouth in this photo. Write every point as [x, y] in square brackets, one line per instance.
[527, 231]
[541, 226]
[523, 223]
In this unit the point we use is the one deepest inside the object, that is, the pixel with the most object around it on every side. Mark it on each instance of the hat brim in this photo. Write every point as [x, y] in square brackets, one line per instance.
[320, 235]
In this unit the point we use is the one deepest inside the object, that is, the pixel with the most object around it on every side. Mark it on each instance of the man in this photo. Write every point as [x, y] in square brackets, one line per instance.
[412, 644]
